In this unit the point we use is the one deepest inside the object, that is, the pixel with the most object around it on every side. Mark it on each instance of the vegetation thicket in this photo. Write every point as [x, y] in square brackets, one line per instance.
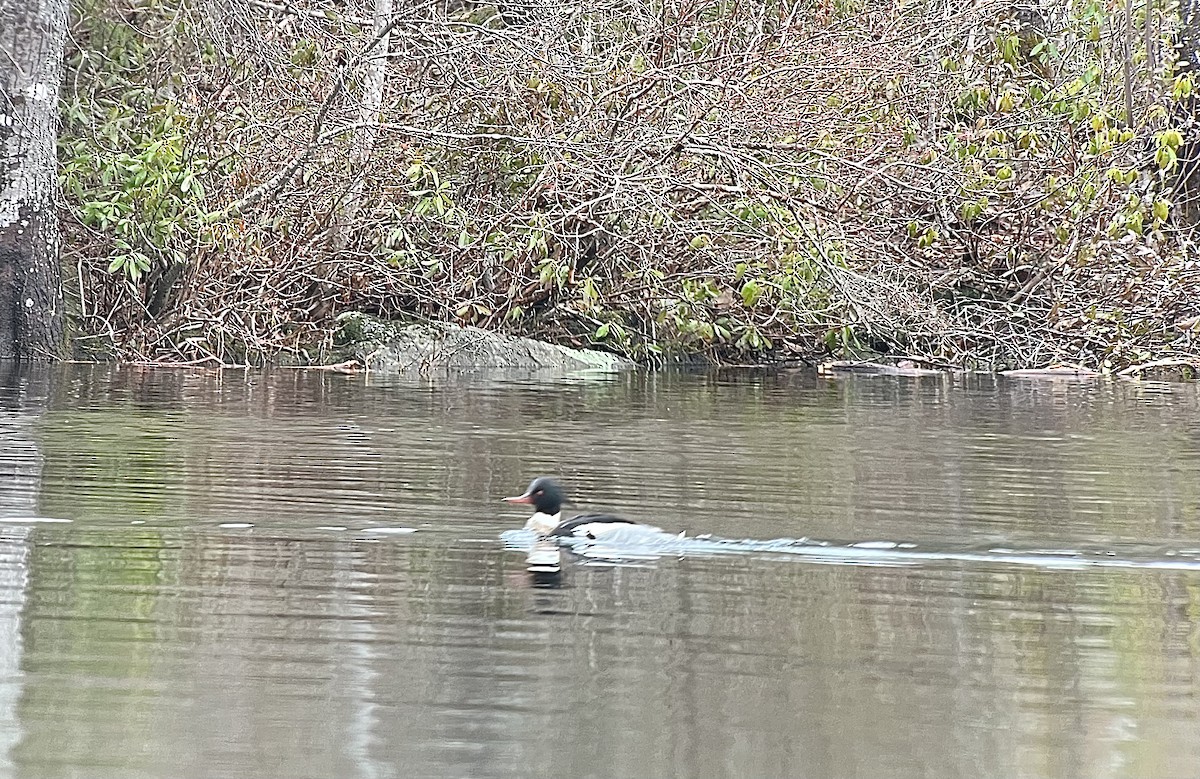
[987, 184]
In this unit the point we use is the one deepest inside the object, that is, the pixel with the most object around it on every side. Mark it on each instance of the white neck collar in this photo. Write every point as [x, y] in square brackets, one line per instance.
[543, 523]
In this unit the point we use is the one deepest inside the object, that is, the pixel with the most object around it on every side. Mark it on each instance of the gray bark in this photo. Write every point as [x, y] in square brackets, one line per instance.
[1187, 179]
[32, 35]
[368, 126]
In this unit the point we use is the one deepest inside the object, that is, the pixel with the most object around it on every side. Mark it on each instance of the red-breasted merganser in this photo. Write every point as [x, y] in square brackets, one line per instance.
[546, 497]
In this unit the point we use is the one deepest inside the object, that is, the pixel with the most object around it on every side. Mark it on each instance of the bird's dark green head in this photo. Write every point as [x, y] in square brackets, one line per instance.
[544, 494]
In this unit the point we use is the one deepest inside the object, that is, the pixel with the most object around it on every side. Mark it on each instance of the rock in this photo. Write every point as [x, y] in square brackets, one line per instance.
[1166, 369]
[1053, 372]
[864, 368]
[401, 347]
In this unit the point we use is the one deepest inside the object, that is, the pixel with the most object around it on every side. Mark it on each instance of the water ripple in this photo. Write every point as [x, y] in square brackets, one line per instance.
[640, 544]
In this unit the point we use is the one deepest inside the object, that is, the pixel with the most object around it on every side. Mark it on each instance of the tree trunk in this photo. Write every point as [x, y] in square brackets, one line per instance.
[1187, 180]
[363, 142]
[32, 34]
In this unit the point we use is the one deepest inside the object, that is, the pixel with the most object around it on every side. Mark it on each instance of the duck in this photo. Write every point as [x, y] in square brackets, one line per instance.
[546, 496]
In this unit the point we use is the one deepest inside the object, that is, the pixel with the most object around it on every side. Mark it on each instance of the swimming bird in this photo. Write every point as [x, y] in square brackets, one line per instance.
[547, 496]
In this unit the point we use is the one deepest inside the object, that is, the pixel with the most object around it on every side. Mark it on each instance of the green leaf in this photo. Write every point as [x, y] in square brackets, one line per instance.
[751, 292]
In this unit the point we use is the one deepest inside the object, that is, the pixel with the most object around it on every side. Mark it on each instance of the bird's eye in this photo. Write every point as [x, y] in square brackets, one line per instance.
[538, 492]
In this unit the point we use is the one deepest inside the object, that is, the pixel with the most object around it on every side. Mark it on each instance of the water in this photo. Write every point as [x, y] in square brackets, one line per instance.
[302, 574]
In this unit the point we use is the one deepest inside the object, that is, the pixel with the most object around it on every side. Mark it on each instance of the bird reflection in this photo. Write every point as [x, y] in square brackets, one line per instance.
[544, 563]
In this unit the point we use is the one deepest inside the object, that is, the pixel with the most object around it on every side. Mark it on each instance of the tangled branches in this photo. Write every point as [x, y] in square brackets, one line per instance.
[981, 185]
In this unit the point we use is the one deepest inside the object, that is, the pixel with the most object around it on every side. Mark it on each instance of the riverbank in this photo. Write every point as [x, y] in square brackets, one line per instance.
[983, 188]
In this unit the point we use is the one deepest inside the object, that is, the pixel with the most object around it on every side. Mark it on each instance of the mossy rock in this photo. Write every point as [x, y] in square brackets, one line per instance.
[402, 347]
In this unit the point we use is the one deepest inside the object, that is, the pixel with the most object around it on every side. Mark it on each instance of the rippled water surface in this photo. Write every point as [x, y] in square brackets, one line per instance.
[302, 574]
